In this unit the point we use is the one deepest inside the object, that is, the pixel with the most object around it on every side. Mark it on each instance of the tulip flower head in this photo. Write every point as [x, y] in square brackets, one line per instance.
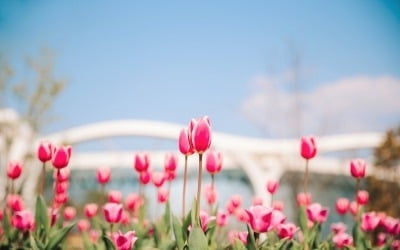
[354, 208]
[257, 200]
[242, 216]
[362, 197]
[114, 196]
[205, 219]
[241, 236]
[61, 175]
[185, 145]
[308, 148]
[316, 213]
[112, 212]
[144, 177]
[287, 230]
[83, 225]
[14, 169]
[277, 205]
[369, 221]
[69, 213]
[15, 202]
[200, 134]
[133, 202]
[170, 162]
[342, 240]
[303, 199]
[162, 195]
[61, 156]
[338, 228]
[103, 175]
[158, 178]
[141, 162]
[214, 162]
[342, 205]
[23, 220]
[210, 194]
[357, 168]
[222, 218]
[90, 210]
[124, 241]
[272, 186]
[45, 151]
[260, 218]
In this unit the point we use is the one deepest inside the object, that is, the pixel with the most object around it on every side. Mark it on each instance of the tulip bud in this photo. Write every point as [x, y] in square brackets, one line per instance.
[142, 162]
[90, 210]
[158, 178]
[83, 225]
[14, 170]
[61, 156]
[69, 213]
[200, 134]
[103, 175]
[112, 212]
[214, 162]
[162, 195]
[362, 197]
[342, 205]
[272, 185]
[114, 196]
[308, 149]
[185, 145]
[44, 152]
[357, 168]
[170, 162]
[144, 177]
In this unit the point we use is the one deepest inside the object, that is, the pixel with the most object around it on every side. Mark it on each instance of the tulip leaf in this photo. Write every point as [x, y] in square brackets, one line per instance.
[167, 218]
[186, 223]
[251, 241]
[6, 225]
[238, 245]
[108, 243]
[178, 232]
[303, 221]
[197, 239]
[195, 221]
[58, 236]
[41, 217]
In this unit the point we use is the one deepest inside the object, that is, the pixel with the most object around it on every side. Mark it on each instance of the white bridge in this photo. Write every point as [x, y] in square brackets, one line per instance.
[260, 159]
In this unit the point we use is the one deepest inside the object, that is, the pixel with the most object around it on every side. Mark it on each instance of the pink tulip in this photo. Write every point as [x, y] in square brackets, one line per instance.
[303, 199]
[200, 134]
[342, 240]
[369, 221]
[391, 225]
[210, 194]
[308, 148]
[277, 219]
[23, 220]
[61, 187]
[90, 210]
[69, 213]
[61, 156]
[1, 215]
[260, 218]
[357, 168]
[170, 162]
[185, 146]
[354, 208]
[83, 225]
[287, 230]
[339, 227]
[242, 216]
[94, 236]
[125, 220]
[61, 198]
[277, 205]
[162, 195]
[214, 162]
[103, 175]
[222, 218]
[272, 185]
[133, 202]
[158, 178]
[170, 175]
[125, 241]
[15, 202]
[242, 236]
[112, 212]
[316, 213]
[44, 152]
[342, 205]
[14, 170]
[362, 197]
[61, 175]
[114, 196]
[205, 219]
[144, 177]
[142, 162]
[381, 239]
[257, 200]
[236, 200]
[396, 245]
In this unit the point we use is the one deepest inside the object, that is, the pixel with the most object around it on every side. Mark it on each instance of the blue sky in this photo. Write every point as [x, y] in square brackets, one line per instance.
[173, 60]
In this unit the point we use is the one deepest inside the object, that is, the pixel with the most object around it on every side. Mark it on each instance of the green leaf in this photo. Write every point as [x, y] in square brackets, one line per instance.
[186, 224]
[178, 232]
[195, 221]
[33, 244]
[6, 225]
[109, 244]
[58, 236]
[41, 218]
[303, 219]
[197, 239]
[238, 245]
[251, 241]
[167, 217]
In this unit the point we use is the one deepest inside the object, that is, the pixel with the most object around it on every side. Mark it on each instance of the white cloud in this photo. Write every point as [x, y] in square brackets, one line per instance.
[353, 104]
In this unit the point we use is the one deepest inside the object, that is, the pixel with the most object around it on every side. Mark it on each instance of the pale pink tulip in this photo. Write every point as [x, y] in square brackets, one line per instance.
[342, 240]
[214, 162]
[316, 213]
[260, 218]
[369, 221]
[272, 186]
[90, 210]
[112, 212]
[342, 205]
[103, 175]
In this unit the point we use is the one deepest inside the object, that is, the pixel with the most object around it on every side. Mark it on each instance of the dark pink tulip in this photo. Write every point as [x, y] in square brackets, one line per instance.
[277, 205]
[90, 210]
[1, 214]
[103, 175]
[144, 177]
[162, 195]
[391, 225]
[185, 146]
[112, 212]
[362, 197]
[44, 152]
[214, 162]
[242, 236]
[287, 230]
[210, 194]
[205, 219]
[15, 202]
[342, 205]
[61, 198]
[61, 175]
[339, 227]
[142, 162]
[170, 175]
[125, 241]
[316, 213]
[230, 208]
[69, 213]
[369, 221]
[222, 218]
[257, 200]
[242, 216]
[170, 162]
[23, 220]
[83, 225]
[308, 148]
[272, 185]
[260, 218]
[14, 169]
[114, 196]
[61, 187]
[158, 178]
[200, 134]
[61, 156]
[342, 240]
[303, 199]
[357, 168]
[396, 245]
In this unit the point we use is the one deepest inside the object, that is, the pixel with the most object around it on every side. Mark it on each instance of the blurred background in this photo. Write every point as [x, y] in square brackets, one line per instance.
[259, 69]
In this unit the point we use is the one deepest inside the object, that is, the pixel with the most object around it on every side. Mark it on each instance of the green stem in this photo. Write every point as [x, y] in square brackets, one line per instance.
[43, 184]
[184, 189]
[199, 178]
[305, 185]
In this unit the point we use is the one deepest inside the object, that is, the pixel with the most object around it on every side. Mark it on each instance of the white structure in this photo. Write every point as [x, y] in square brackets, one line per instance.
[260, 159]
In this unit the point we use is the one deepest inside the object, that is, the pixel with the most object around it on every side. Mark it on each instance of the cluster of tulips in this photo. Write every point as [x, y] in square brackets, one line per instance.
[117, 222]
